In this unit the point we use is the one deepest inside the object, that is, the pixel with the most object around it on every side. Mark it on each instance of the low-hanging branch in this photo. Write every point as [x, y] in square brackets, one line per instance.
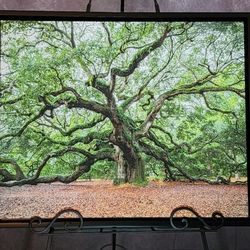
[82, 167]
[169, 165]
[19, 173]
[6, 175]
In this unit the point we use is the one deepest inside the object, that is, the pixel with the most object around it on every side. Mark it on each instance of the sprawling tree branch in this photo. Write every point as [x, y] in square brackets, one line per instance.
[23, 128]
[146, 125]
[188, 146]
[137, 59]
[77, 127]
[217, 109]
[82, 167]
[160, 155]
[12, 101]
[91, 136]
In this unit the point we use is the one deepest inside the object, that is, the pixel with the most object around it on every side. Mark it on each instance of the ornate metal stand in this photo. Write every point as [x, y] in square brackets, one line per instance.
[176, 225]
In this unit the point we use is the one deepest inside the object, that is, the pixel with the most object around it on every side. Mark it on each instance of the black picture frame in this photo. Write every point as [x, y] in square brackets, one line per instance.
[123, 16]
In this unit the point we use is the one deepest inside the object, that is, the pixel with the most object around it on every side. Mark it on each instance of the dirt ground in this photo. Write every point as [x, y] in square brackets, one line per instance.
[102, 199]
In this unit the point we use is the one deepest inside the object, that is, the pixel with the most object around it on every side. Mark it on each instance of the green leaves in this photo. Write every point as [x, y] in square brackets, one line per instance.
[177, 86]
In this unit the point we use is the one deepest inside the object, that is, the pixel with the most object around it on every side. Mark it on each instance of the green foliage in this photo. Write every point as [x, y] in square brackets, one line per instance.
[101, 170]
[199, 129]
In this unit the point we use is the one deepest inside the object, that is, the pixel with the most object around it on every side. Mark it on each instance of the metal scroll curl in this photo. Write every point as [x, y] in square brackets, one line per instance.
[35, 223]
[217, 219]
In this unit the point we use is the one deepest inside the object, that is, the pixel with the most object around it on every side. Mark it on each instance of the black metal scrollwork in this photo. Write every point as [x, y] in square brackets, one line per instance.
[217, 219]
[35, 223]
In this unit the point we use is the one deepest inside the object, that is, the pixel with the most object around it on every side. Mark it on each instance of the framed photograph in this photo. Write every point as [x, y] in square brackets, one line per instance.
[124, 117]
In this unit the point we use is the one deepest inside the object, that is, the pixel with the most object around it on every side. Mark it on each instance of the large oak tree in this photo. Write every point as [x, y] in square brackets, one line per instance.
[134, 95]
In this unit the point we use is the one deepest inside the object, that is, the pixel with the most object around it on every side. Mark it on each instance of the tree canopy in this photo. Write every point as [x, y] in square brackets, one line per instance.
[121, 100]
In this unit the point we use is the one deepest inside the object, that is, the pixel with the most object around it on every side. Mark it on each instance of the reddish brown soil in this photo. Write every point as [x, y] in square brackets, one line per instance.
[102, 199]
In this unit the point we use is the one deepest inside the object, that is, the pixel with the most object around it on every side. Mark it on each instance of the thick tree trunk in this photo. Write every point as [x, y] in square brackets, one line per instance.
[127, 172]
[130, 167]
[121, 169]
[136, 173]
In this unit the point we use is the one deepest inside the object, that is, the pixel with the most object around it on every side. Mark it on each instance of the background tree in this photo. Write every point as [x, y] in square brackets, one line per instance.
[110, 98]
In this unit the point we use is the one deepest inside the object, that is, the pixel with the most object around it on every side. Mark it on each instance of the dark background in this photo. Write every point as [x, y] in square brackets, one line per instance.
[227, 238]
